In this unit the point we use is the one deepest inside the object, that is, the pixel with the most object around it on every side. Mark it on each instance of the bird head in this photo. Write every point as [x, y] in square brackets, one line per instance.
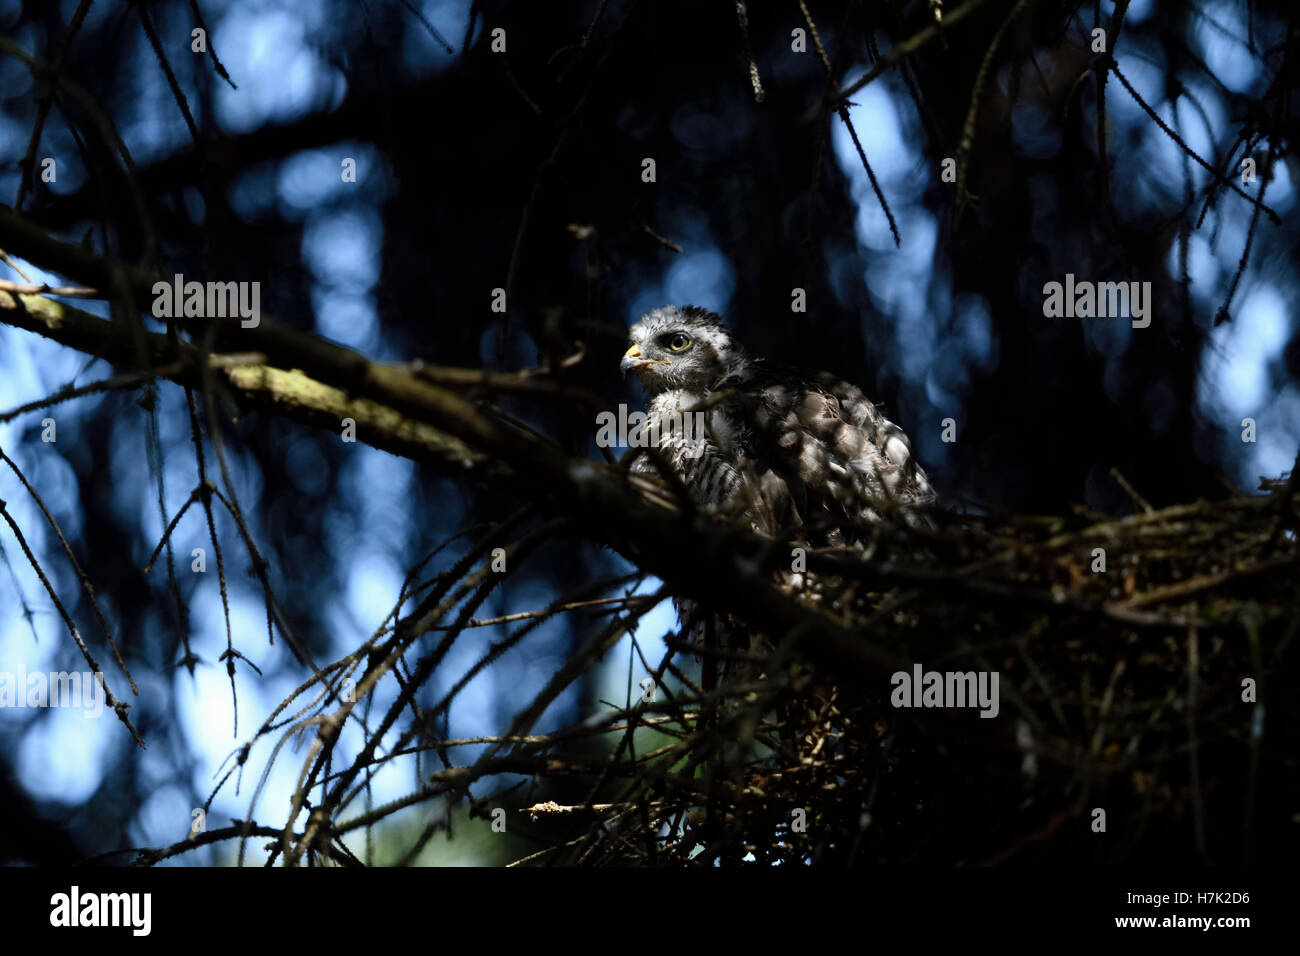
[682, 347]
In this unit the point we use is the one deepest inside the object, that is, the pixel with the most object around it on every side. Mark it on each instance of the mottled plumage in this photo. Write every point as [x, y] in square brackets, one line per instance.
[784, 449]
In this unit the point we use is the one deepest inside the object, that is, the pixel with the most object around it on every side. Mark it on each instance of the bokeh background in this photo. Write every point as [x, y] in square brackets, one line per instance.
[522, 170]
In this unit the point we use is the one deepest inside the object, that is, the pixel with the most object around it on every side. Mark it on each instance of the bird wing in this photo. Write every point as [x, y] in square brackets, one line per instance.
[825, 442]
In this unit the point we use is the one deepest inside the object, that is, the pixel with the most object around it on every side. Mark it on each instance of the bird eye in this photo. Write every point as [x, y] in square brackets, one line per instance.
[680, 342]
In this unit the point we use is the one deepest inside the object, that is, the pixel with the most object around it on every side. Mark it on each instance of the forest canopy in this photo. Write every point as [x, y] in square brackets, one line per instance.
[309, 316]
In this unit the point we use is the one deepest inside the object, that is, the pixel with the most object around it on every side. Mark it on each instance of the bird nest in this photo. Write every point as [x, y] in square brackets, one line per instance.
[1135, 661]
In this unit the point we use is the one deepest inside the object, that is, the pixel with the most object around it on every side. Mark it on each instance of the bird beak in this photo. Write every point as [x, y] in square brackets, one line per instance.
[631, 359]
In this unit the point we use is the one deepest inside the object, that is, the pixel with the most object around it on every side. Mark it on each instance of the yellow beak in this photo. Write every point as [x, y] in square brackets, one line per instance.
[631, 359]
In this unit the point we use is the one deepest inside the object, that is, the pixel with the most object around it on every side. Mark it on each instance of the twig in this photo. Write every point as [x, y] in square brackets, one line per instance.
[660, 239]
[742, 18]
[910, 46]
